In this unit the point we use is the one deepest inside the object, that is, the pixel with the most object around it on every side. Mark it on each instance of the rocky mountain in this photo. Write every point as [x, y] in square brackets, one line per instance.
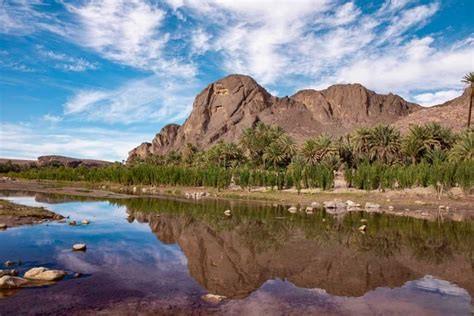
[225, 108]
[55, 160]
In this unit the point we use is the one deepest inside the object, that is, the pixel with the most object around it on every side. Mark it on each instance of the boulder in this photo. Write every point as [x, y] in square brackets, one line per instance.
[79, 247]
[213, 298]
[12, 282]
[85, 222]
[44, 274]
[3, 226]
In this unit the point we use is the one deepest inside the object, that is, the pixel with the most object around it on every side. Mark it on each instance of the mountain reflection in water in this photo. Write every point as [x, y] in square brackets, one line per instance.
[264, 259]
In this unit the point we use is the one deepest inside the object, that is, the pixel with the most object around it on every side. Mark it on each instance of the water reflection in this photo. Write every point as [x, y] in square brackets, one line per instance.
[263, 258]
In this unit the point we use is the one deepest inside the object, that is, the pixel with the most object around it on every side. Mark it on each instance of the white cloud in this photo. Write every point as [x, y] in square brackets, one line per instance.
[66, 62]
[53, 119]
[153, 99]
[127, 32]
[438, 97]
[415, 66]
[93, 143]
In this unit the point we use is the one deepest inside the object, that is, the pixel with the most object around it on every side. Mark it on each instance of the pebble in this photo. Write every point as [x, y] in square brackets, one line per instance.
[363, 228]
[85, 222]
[227, 213]
[79, 247]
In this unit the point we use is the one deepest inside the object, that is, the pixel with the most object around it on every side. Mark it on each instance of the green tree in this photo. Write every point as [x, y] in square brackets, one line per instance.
[463, 149]
[315, 150]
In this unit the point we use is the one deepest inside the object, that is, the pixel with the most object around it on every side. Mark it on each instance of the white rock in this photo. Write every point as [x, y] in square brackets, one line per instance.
[350, 203]
[44, 274]
[309, 210]
[79, 247]
[227, 213]
[363, 228]
[293, 209]
[11, 282]
[390, 208]
[213, 298]
[3, 226]
[334, 204]
[85, 222]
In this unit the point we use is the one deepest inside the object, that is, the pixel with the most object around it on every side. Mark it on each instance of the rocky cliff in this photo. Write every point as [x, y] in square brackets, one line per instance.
[228, 106]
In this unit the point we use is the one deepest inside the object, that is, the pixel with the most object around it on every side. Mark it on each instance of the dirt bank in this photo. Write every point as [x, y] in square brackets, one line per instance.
[417, 202]
[12, 215]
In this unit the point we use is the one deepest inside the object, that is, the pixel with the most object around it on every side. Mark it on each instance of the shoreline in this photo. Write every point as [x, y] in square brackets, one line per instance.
[13, 215]
[420, 203]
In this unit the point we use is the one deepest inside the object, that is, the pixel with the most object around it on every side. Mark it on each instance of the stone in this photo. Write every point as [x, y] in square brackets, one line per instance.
[10, 272]
[77, 275]
[213, 298]
[44, 274]
[309, 210]
[390, 208]
[293, 209]
[79, 247]
[334, 204]
[372, 206]
[85, 222]
[363, 228]
[73, 223]
[9, 263]
[3, 226]
[227, 213]
[363, 220]
[12, 282]
[315, 204]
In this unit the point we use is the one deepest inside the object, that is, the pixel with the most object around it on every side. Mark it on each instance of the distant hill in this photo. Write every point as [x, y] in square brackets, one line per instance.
[451, 114]
[55, 160]
[225, 108]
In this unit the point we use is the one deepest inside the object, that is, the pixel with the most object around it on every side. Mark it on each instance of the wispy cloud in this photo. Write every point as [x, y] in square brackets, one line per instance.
[96, 143]
[66, 62]
[153, 99]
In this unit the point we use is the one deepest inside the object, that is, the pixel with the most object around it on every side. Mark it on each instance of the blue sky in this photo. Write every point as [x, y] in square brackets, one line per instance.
[94, 79]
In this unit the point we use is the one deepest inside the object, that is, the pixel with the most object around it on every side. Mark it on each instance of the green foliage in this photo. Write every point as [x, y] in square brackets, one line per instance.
[463, 149]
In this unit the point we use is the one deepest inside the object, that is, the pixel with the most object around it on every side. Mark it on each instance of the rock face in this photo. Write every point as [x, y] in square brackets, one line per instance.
[228, 106]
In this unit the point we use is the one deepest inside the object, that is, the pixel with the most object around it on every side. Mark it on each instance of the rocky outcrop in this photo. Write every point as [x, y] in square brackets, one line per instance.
[225, 108]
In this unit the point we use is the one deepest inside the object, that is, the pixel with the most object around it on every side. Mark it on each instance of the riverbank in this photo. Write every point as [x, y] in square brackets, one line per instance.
[12, 215]
[417, 202]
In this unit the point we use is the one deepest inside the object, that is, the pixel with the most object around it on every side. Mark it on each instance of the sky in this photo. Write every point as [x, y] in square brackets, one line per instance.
[93, 79]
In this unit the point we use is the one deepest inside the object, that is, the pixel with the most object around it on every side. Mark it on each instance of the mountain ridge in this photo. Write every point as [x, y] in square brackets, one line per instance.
[226, 107]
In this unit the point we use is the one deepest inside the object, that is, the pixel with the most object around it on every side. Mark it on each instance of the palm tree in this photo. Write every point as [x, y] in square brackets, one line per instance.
[314, 150]
[463, 149]
[469, 79]
[384, 143]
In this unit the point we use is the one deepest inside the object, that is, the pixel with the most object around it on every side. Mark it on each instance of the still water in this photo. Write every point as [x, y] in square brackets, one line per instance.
[160, 256]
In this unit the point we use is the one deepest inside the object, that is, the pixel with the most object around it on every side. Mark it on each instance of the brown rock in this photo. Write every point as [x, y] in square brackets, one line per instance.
[226, 107]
